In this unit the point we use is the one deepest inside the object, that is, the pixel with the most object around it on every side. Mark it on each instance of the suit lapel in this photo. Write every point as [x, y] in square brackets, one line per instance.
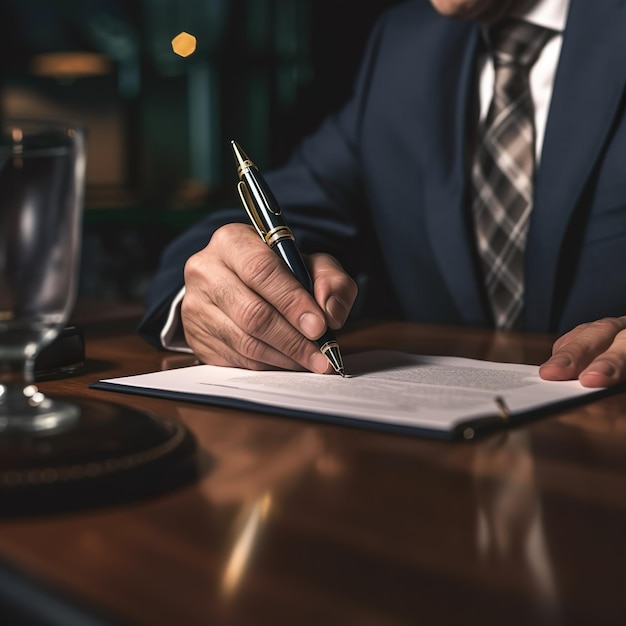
[588, 88]
[445, 131]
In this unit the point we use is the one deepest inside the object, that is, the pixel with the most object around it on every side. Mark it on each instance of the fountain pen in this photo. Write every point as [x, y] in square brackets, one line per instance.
[266, 217]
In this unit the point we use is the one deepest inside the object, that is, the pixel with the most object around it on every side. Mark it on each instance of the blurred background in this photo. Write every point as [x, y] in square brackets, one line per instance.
[264, 72]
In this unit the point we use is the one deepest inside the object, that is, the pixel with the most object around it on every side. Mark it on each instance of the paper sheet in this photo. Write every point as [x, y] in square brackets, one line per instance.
[393, 388]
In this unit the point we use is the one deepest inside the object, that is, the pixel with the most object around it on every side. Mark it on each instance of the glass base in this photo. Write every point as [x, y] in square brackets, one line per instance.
[97, 454]
[29, 411]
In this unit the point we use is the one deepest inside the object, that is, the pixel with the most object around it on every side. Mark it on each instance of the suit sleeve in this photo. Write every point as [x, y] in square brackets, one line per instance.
[320, 190]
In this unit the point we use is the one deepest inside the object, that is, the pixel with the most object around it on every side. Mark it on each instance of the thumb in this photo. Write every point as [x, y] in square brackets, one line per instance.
[334, 289]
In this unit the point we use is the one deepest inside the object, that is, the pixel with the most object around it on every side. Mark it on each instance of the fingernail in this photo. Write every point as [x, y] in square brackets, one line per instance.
[601, 368]
[312, 325]
[336, 309]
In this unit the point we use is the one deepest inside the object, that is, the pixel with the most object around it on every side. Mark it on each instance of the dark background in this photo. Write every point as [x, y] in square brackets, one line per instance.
[265, 72]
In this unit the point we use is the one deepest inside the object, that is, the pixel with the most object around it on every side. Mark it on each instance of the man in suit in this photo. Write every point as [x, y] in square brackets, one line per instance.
[384, 190]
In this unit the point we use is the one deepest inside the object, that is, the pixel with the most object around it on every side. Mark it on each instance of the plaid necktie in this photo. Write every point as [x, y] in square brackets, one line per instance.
[503, 168]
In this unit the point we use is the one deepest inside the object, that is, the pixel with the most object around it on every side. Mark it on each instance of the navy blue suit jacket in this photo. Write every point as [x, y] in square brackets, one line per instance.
[383, 184]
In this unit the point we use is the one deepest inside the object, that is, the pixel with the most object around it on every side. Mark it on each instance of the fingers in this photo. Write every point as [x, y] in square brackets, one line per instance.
[257, 268]
[334, 289]
[595, 353]
[215, 339]
[244, 308]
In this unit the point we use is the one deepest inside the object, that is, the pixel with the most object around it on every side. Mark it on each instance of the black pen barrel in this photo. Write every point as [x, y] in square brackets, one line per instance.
[289, 253]
[266, 216]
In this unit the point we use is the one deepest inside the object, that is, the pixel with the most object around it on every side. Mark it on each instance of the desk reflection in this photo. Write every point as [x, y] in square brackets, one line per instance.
[249, 471]
[510, 530]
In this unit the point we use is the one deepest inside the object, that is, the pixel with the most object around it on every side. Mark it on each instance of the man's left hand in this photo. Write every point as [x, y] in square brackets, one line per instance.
[594, 353]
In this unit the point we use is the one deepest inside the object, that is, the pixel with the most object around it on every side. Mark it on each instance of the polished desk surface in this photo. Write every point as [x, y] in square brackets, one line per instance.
[296, 522]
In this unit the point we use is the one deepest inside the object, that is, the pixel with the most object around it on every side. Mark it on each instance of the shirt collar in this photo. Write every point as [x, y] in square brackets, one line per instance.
[547, 13]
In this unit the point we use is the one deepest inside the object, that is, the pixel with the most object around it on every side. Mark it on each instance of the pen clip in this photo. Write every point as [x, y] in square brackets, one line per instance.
[503, 409]
[248, 205]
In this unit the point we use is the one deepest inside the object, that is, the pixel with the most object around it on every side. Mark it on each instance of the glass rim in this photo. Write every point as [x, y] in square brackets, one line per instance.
[30, 136]
[43, 123]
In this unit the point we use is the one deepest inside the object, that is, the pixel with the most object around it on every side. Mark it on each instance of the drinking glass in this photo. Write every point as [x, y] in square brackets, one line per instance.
[42, 179]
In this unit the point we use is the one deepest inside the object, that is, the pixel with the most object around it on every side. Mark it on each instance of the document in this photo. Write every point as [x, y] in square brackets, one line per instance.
[430, 395]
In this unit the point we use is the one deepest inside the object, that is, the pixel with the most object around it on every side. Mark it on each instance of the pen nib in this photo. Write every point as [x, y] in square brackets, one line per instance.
[331, 350]
[242, 160]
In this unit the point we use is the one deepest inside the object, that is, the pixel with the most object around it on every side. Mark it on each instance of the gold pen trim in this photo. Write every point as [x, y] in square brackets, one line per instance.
[248, 205]
[244, 162]
[280, 233]
[245, 167]
[329, 345]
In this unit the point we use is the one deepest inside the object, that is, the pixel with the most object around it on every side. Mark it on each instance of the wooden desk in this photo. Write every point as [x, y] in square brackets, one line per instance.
[299, 523]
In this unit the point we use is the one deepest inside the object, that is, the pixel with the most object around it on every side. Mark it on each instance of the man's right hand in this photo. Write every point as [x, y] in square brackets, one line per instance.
[244, 308]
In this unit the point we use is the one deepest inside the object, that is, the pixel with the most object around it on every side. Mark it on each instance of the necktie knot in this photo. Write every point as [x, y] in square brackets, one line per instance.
[515, 42]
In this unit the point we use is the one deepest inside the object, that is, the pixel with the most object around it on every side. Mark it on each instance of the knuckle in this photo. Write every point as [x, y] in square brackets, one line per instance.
[289, 303]
[609, 325]
[223, 236]
[193, 268]
[261, 269]
[253, 349]
[219, 344]
[295, 345]
[222, 295]
[259, 325]
[574, 332]
[255, 317]
[602, 332]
